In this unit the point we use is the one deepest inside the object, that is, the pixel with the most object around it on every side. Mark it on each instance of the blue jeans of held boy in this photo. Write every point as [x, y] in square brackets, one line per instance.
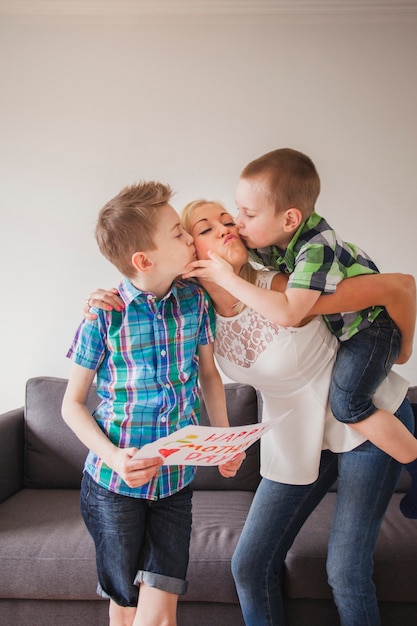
[367, 479]
[362, 363]
[137, 540]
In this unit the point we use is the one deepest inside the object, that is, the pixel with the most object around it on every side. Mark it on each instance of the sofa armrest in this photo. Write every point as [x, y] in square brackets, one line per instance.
[412, 394]
[11, 452]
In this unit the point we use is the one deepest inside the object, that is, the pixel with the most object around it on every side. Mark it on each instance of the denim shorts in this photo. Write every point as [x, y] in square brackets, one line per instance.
[362, 363]
[137, 541]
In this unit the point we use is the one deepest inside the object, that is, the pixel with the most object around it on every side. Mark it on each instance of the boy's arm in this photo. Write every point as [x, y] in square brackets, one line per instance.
[286, 308]
[212, 389]
[396, 292]
[80, 420]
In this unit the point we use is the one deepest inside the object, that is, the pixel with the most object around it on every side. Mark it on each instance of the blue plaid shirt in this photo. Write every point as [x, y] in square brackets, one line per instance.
[317, 258]
[146, 361]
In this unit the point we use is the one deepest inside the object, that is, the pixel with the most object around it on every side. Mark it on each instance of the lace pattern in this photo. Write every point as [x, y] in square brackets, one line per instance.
[243, 338]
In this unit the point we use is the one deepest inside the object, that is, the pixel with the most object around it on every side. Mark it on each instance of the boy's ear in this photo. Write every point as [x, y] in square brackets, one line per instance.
[293, 219]
[141, 262]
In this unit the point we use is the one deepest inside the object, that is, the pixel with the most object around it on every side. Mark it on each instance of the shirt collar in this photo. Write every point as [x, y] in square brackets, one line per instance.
[284, 260]
[128, 292]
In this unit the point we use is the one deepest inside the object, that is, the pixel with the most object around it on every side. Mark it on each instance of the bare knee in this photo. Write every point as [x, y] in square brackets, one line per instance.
[121, 615]
[156, 607]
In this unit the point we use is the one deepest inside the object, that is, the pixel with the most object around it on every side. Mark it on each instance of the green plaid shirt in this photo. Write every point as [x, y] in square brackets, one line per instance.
[317, 258]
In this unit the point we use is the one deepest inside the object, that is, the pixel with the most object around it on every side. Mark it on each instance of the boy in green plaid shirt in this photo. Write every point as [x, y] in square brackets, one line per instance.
[276, 196]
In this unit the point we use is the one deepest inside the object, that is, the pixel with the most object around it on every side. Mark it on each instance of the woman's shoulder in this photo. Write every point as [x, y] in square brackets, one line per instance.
[269, 279]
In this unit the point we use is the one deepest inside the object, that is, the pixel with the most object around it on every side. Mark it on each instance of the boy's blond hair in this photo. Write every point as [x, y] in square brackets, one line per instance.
[247, 271]
[127, 223]
[292, 179]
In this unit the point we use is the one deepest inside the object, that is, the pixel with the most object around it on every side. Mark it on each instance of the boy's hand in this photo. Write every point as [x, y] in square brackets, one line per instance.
[136, 472]
[229, 469]
[102, 299]
[214, 269]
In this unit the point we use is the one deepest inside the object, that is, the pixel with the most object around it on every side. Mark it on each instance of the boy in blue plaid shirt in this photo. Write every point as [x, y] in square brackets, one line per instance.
[146, 356]
[276, 196]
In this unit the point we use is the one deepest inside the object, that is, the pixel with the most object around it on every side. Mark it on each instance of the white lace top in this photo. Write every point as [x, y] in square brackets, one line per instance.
[292, 367]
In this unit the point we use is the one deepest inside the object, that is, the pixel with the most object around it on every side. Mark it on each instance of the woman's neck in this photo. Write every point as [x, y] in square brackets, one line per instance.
[223, 302]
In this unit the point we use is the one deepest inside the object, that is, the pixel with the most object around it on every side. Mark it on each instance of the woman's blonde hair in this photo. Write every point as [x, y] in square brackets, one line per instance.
[247, 271]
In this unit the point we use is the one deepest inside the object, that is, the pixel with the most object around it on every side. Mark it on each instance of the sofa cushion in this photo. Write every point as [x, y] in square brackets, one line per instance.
[45, 549]
[54, 456]
[47, 553]
[242, 409]
[412, 394]
[218, 518]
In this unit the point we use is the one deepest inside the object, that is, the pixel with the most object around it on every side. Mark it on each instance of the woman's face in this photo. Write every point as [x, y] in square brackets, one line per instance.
[212, 228]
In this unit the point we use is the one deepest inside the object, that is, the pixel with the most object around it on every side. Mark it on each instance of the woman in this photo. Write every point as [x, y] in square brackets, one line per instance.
[292, 369]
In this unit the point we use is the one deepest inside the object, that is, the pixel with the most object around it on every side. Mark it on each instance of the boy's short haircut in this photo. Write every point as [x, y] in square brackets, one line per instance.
[127, 223]
[292, 179]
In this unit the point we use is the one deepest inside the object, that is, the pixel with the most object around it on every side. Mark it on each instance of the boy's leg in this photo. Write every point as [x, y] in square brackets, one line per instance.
[362, 364]
[156, 607]
[389, 435]
[117, 525]
[121, 615]
[165, 559]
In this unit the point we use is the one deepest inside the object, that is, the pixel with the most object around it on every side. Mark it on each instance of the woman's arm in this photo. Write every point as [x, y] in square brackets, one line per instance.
[396, 292]
[102, 299]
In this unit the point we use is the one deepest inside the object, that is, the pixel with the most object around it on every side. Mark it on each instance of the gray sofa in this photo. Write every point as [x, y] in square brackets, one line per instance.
[47, 562]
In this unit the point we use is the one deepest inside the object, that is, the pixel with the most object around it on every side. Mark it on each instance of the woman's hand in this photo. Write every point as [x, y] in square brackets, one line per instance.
[229, 469]
[102, 299]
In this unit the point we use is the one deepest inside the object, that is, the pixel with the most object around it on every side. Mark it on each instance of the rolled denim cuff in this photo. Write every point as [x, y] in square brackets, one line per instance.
[164, 583]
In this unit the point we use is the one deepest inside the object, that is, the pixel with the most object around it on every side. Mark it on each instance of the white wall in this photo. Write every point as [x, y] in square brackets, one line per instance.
[89, 105]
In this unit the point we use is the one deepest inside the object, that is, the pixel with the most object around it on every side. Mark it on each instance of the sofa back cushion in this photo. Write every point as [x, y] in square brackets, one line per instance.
[54, 456]
[242, 409]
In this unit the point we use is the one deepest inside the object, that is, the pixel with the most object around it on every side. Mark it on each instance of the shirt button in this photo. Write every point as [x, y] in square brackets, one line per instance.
[163, 420]
[167, 385]
[163, 352]
[159, 316]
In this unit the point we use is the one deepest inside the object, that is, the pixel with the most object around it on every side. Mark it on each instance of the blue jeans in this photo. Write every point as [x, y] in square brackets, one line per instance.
[362, 363]
[137, 540]
[367, 479]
